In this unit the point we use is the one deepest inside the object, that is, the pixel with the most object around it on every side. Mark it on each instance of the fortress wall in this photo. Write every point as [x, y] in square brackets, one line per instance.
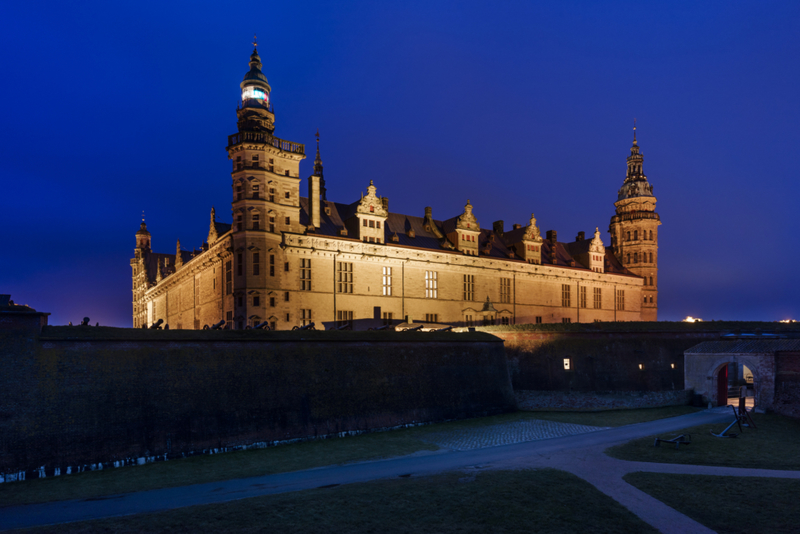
[83, 395]
[602, 361]
[787, 384]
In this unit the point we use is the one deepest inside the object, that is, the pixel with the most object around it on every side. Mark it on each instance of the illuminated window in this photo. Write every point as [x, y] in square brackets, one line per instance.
[469, 287]
[566, 297]
[387, 281]
[431, 284]
[567, 364]
[305, 275]
[256, 93]
[344, 273]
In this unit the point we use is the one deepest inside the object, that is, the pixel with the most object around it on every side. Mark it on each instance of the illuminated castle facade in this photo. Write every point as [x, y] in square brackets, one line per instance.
[289, 259]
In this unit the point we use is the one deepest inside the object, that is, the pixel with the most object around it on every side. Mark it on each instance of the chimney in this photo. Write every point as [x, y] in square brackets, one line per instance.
[313, 200]
[385, 202]
[581, 236]
[517, 226]
[552, 236]
[498, 228]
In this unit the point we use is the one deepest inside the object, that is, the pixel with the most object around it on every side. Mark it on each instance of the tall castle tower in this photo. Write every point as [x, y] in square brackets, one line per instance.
[265, 203]
[634, 230]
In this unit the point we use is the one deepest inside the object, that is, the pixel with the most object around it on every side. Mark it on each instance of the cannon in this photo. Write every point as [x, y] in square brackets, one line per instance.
[218, 325]
[309, 326]
[346, 326]
[384, 327]
[418, 327]
[262, 326]
[156, 325]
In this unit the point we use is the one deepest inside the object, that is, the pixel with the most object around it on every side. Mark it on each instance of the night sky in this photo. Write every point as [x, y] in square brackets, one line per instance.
[110, 110]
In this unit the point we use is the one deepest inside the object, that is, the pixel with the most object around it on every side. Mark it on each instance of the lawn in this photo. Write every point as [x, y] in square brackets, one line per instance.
[773, 446]
[492, 501]
[727, 504]
[284, 458]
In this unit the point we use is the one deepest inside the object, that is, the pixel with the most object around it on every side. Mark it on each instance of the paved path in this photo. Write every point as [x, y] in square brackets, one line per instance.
[505, 434]
[579, 454]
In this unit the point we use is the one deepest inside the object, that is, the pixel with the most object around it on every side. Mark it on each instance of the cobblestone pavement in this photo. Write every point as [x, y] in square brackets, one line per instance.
[505, 434]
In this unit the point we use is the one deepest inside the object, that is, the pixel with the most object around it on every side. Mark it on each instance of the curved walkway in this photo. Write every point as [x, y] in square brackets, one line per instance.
[578, 454]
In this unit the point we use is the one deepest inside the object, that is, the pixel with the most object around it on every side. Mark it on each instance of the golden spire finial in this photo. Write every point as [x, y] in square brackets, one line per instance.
[255, 41]
[634, 130]
[142, 215]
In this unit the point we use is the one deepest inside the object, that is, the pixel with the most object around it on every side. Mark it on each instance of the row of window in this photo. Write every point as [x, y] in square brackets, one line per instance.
[636, 257]
[647, 235]
[239, 164]
[255, 220]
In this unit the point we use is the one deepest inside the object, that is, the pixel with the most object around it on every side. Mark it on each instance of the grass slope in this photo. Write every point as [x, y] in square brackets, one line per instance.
[541, 501]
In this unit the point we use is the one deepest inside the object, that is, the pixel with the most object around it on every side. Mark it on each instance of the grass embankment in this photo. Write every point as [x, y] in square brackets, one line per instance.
[294, 457]
[542, 501]
[774, 445]
[727, 504]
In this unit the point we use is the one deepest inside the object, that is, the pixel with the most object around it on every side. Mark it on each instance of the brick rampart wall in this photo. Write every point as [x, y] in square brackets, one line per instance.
[599, 361]
[72, 400]
[787, 384]
[593, 400]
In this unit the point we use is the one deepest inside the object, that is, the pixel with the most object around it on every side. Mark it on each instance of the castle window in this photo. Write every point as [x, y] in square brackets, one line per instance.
[372, 224]
[469, 287]
[305, 274]
[468, 320]
[256, 265]
[537, 319]
[635, 235]
[505, 320]
[651, 300]
[629, 259]
[239, 222]
[372, 209]
[239, 264]
[344, 273]
[582, 296]
[273, 325]
[431, 284]
[286, 266]
[645, 300]
[566, 320]
[256, 301]
[305, 316]
[272, 265]
[365, 223]
[272, 224]
[598, 298]
[651, 280]
[272, 302]
[505, 290]
[567, 364]
[620, 299]
[239, 192]
[286, 297]
[286, 194]
[288, 317]
[240, 301]
[635, 257]
[272, 194]
[387, 281]
[228, 278]
[255, 191]
[651, 235]
[287, 172]
[288, 221]
[256, 222]
[566, 300]
[431, 317]
[377, 224]
[629, 236]
[651, 257]
[387, 318]
[344, 318]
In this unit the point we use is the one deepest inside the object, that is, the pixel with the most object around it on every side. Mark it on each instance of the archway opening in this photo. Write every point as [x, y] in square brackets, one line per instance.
[736, 386]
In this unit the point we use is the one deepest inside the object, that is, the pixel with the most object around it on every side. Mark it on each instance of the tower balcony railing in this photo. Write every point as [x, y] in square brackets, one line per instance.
[267, 139]
[635, 215]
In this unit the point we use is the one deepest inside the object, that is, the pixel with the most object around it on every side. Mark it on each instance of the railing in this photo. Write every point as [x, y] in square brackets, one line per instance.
[267, 139]
[637, 215]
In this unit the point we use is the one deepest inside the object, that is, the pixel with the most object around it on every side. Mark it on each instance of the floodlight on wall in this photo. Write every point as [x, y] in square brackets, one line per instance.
[641, 367]
[672, 365]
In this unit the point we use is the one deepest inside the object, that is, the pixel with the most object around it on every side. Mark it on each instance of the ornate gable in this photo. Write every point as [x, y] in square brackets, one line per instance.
[597, 245]
[467, 221]
[532, 231]
[371, 204]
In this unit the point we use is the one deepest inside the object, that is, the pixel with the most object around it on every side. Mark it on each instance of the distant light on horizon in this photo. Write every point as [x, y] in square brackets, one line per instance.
[690, 319]
[787, 321]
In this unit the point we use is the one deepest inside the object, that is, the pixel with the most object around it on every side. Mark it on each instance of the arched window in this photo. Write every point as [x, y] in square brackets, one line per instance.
[651, 235]
[629, 259]
[651, 281]
[635, 257]
[651, 257]
[651, 300]
[636, 235]
[629, 236]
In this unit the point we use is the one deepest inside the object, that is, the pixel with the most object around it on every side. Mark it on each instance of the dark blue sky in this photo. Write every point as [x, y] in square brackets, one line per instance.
[108, 110]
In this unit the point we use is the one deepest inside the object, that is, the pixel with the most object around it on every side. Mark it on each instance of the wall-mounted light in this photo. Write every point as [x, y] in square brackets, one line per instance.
[641, 367]
[672, 365]
[566, 364]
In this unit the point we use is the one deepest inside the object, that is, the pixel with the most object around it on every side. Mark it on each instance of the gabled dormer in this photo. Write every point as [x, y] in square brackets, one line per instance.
[597, 253]
[466, 234]
[369, 220]
[530, 247]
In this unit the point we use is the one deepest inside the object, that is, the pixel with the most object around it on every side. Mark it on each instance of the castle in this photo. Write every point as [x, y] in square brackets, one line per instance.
[290, 260]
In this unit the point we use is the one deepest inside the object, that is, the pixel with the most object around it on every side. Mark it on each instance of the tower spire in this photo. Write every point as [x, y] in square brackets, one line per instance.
[634, 130]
